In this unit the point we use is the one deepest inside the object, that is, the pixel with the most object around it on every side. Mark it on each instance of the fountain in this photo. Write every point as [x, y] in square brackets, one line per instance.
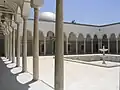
[103, 50]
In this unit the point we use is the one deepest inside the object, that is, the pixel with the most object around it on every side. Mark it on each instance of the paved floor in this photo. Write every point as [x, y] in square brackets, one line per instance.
[77, 76]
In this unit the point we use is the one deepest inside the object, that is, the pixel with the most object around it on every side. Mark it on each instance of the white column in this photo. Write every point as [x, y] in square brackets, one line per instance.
[76, 46]
[18, 46]
[10, 46]
[5, 41]
[13, 46]
[44, 45]
[36, 45]
[59, 61]
[67, 46]
[24, 48]
[84, 45]
[108, 46]
[92, 45]
[6, 46]
[117, 46]
[99, 44]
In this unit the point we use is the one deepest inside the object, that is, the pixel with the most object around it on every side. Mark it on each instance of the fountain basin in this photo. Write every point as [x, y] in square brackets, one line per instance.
[96, 59]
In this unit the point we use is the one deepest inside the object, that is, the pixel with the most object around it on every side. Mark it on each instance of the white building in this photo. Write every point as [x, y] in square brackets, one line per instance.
[78, 38]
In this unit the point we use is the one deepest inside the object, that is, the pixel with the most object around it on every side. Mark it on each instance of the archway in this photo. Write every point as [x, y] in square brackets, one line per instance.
[80, 44]
[72, 43]
[95, 44]
[88, 43]
[29, 43]
[50, 43]
[112, 43]
[41, 43]
[105, 41]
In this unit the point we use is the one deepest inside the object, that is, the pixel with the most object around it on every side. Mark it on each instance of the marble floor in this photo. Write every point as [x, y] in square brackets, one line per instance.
[77, 76]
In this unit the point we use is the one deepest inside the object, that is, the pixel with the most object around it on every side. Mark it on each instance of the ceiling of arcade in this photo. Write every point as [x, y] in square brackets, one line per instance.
[11, 10]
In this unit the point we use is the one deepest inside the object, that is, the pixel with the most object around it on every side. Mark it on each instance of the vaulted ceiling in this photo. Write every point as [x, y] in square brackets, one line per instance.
[10, 8]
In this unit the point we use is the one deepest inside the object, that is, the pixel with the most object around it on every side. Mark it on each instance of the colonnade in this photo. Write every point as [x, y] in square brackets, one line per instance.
[10, 44]
[80, 47]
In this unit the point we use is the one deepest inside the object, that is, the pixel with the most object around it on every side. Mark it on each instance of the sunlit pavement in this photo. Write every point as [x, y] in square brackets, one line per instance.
[77, 76]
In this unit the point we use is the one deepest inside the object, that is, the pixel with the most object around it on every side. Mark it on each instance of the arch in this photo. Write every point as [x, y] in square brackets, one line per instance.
[80, 37]
[112, 43]
[50, 34]
[88, 43]
[105, 41]
[72, 43]
[118, 43]
[50, 43]
[95, 44]
[72, 37]
[80, 43]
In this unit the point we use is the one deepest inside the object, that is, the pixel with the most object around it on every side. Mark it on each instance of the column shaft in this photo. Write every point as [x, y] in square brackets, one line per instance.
[10, 46]
[24, 48]
[92, 45]
[5, 41]
[36, 45]
[76, 46]
[108, 46]
[117, 46]
[67, 46]
[18, 45]
[84, 45]
[59, 62]
[44, 45]
[99, 45]
[13, 46]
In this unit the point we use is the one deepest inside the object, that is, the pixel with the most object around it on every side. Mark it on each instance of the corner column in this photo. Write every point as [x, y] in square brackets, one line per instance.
[36, 45]
[13, 45]
[59, 62]
[24, 42]
[18, 46]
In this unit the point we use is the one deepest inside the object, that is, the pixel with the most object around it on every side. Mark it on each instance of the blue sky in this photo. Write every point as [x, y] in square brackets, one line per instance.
[87, 11]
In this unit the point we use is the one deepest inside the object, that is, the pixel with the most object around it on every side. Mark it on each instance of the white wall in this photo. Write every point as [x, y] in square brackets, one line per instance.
[112, 29]
[45, 26]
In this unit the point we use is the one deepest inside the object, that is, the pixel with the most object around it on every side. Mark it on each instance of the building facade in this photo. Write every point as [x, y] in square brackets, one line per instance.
[78, 38]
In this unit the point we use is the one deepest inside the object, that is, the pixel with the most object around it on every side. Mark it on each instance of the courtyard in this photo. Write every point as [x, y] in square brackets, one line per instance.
[77, 76]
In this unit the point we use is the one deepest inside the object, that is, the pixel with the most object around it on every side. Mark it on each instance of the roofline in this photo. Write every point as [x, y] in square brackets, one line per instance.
[82, 24]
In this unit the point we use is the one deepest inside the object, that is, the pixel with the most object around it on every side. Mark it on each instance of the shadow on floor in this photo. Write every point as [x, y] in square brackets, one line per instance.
[9, 80]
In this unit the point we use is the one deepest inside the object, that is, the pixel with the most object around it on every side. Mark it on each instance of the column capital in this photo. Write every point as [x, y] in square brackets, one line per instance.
[25, 17]
[36, 3]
